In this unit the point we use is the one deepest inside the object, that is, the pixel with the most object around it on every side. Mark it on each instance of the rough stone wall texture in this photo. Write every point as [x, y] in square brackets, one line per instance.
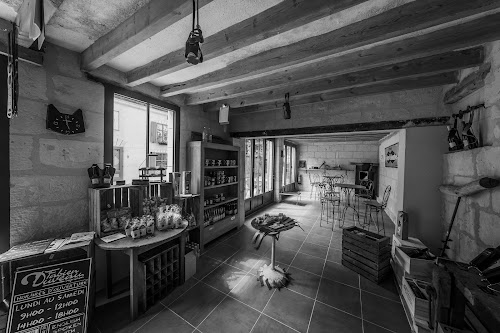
[48, 170]
[49, 181]
[390, 176]
[333, 154]
[477, 224]
[403, 105]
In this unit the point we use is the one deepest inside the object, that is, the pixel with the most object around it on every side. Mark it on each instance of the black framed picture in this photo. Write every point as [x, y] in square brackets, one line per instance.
[391, 156]
[302, 164]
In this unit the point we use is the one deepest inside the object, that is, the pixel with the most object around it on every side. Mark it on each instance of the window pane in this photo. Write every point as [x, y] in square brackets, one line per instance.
[161, 124]
[248, 169]
[293, 165]
[130, 133]
[269, 165]
[288, 164]
[258, 168]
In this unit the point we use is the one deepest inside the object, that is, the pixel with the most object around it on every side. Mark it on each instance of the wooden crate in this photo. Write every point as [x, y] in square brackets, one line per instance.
[416, 298]
[366, 253]
[418, 268]
[162, 275]
[114, 197]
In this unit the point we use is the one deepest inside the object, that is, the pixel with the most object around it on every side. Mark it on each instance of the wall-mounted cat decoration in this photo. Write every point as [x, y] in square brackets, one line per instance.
[64, 123]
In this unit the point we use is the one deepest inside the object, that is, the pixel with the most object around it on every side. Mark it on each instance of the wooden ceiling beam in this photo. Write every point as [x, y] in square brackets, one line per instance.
[399, 21]
[285, 16]
[154, 17]
[461, 36]
[409, 83]
[418, 67]
[345, 128]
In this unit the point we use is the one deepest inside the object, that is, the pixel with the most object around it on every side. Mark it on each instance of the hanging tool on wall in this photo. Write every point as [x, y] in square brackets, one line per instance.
[463, 191]
[12, 73]
[469, 139]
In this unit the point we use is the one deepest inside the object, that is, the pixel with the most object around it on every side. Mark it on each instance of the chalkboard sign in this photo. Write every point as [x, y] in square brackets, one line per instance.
[51, 299]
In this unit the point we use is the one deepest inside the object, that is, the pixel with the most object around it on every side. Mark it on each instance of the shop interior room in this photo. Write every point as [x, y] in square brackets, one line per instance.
[250, 166]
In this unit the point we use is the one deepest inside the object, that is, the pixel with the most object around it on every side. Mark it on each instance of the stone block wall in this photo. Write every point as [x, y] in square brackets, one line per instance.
[48, 171]
[334, 153]
[48, 184]
[477, 225]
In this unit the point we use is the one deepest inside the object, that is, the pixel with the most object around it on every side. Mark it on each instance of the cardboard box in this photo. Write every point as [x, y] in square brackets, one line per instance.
[416, 298]
[417, 268]
[189, 265]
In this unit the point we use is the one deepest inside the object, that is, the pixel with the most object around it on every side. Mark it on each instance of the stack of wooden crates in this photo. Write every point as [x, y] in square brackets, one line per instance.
[366, 253]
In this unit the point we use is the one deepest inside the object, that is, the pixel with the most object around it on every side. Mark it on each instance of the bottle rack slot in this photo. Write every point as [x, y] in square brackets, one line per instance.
[162, 275]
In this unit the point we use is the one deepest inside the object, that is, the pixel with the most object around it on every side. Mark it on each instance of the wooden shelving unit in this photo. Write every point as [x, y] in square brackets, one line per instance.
[198, 153]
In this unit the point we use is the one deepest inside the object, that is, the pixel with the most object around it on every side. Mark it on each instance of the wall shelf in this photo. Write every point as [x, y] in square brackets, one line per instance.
[220, 203]
[220, 185]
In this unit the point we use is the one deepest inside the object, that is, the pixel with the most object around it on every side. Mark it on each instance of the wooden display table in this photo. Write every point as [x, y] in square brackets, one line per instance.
[133, 248]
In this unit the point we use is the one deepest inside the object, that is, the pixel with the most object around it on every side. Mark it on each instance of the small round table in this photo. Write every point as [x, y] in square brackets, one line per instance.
[272, 275]
[134, 247]
[347, 203]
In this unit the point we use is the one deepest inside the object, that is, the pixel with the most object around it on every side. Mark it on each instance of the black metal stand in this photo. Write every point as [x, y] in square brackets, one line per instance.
[445, 245]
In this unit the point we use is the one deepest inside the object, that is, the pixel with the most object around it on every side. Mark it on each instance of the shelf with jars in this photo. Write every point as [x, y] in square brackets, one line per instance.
[215, 176]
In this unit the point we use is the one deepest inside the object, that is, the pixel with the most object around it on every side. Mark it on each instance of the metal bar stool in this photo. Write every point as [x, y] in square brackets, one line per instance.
[314, 180]
[373, 206]
[366, 194]
[328, 199]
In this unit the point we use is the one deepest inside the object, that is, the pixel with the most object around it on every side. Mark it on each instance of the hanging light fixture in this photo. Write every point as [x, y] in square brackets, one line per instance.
[192, 52]
[287, 112]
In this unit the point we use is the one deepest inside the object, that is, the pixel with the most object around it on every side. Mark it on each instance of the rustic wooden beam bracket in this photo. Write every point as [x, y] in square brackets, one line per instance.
[468, 85]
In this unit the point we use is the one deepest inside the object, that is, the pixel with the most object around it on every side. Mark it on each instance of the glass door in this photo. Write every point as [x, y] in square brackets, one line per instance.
[259, 173]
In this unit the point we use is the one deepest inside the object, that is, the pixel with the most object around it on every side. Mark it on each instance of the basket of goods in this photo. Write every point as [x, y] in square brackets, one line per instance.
[150, 225]
[134, 229]
[142, 226]
[170, 217]
[114, 220]
[150, 206]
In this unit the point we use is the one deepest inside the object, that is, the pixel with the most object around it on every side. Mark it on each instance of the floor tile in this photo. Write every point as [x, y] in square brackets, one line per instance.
[250, 292]
[197, 303]
[282, 255]
[386, 288]
[314, 250]
[319, 239]
[372, 328]
[303, 282]
[224, 278]
[221, 252]
[243, 260]
[336, 242]
[179, 291]
[288, 243]
[168, 322]
[266, 325]
[205, 266]
[339, 273]
[115, 316]
[290, 308]
[385, 313]
[230, 316]
[296, 233]
[308, 263]
[327, 320]
[334, 255]
[340, 296]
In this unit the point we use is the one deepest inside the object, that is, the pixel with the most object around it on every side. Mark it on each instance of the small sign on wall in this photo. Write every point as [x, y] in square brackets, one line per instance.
[391, 156]
[302, 164]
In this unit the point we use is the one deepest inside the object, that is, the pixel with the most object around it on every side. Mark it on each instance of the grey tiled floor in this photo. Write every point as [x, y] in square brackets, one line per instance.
[225, 296]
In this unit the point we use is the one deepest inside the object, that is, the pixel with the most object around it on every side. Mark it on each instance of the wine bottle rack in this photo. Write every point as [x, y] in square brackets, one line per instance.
[162, 275]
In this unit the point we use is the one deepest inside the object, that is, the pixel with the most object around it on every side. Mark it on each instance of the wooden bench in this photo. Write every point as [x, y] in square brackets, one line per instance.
[292, 194]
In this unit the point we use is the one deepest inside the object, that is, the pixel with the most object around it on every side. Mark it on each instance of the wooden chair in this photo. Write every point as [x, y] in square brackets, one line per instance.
[373, 206]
